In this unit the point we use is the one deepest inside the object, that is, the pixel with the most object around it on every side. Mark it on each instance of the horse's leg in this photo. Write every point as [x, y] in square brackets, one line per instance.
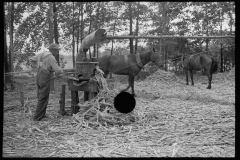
[209, 79]
[186, 72]
[132, 85]
[129, 84]
[191, 76]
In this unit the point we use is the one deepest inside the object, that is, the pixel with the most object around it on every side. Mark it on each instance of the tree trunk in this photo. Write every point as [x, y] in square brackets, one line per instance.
[221, 68]
[164, 16]
[130, 19]
[52, 88]
[114, 28]
[51, 23]
[97, 49]
[111, 55]
[55, 29]
[82, 24]
[224, 64]
[232, 49]
[89, 31]
[73, 51]
[78, 26]
[166, 57]
[11, 55]
[220, 16]
[5, 50]
[137, 28]
[233, 57]
[207, 40]
[96, 22]
[80, 53]
[160, 46]
[5, 82]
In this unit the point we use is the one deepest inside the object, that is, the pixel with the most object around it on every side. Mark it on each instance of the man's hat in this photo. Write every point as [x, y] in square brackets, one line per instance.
[54, 46]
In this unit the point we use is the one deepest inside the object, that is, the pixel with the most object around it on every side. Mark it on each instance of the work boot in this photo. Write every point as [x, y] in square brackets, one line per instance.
[45, 118]
[62, 112]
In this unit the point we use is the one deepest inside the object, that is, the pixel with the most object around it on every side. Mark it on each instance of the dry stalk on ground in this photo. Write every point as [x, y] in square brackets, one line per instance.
[100, 110]
[181, 121]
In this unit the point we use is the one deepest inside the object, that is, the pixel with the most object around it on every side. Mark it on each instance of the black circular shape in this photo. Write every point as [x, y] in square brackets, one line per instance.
[124, 102]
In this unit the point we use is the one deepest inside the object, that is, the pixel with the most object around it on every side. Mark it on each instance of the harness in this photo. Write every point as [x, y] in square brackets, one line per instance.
[138, 59]
[190, 57]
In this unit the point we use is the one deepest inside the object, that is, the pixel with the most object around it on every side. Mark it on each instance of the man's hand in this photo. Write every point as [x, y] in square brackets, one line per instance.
[57, 76]
[68, 70]
[59, 72]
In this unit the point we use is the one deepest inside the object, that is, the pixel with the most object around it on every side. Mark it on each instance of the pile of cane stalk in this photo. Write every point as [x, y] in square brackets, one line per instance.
[100, 110]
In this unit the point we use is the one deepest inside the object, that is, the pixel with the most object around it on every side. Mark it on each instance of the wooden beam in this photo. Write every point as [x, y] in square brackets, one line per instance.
[74, 102]
[165, 36]
[21, 97]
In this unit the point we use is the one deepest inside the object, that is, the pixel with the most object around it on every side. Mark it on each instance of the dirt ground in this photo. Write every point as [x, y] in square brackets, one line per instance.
[175, 120]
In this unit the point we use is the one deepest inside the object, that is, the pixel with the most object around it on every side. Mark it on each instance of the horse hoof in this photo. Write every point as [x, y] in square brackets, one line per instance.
[187, 84]
[192, 84]
[208, 87]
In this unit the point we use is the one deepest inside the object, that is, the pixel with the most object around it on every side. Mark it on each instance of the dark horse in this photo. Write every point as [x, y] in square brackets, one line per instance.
[199, 62]
[127, 65]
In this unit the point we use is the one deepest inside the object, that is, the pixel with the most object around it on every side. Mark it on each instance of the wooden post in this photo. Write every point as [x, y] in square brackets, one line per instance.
[97, 50]
[21, 97]
[89, 95]
[92, 95]
[11, 55]
[86, 96]
[62, 101]
[221, 54]
[75, 101]
[160, 47]
[5, 82]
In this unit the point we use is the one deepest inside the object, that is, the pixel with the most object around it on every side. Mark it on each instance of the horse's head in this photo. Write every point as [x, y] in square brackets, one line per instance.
[155, 58]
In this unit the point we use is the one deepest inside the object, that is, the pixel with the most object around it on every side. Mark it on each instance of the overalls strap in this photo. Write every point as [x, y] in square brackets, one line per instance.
[41, 62]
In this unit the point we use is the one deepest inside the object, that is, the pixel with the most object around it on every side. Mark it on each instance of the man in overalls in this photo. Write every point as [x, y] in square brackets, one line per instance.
[46, 64]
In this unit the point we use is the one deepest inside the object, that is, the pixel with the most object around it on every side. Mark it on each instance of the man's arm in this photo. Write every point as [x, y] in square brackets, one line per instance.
[55, 66]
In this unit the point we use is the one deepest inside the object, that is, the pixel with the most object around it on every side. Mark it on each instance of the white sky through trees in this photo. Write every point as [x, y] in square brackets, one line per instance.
[142, 30]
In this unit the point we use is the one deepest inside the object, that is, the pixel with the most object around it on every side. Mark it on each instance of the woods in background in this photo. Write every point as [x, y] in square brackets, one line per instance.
[29, 25]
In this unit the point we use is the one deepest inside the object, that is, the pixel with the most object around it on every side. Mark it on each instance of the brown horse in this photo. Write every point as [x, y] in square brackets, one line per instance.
[199, 62]
[127, 65]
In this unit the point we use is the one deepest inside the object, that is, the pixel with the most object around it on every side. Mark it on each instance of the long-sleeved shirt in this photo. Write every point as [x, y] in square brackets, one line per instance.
[46, 61]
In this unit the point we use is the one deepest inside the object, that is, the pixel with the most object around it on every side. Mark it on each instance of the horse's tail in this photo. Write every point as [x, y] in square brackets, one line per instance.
[214, 65]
